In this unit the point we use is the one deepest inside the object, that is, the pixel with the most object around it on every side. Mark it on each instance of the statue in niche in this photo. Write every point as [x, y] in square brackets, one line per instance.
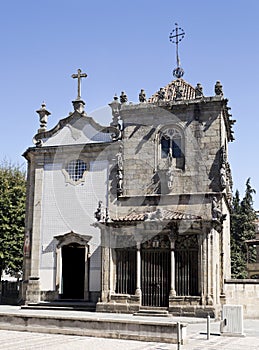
[223, 180]
[119, 174]
[161, 94]
[142, 96]
[198, 91]
[119, 177]
[170, 178]
[119, 158]
[123, 97]
[99, 214]
[218, 89]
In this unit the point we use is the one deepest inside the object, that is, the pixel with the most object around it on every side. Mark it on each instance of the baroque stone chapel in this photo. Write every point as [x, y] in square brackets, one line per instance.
[135, 214]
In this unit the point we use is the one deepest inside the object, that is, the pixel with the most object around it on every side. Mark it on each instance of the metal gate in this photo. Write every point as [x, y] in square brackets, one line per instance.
[186, 265]
[155, 272]
[126, 271]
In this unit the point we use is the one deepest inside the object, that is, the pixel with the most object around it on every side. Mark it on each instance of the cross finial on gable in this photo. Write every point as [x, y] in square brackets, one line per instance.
[78, 76]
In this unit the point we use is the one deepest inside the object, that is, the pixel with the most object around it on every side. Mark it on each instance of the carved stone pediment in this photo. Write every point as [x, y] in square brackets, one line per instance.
[72, 237]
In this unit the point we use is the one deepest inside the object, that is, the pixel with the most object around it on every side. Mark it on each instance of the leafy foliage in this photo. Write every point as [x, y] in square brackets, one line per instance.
[12, 216]
[242, 228]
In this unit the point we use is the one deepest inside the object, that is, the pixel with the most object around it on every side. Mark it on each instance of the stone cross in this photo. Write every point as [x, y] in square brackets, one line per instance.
[79, 75]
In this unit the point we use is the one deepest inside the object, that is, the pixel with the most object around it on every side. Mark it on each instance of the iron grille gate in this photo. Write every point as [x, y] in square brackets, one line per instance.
[155, 272]
[126, 271]
[186, 266]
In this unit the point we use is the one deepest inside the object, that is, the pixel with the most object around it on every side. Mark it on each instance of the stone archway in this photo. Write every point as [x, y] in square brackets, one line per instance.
[72, 276]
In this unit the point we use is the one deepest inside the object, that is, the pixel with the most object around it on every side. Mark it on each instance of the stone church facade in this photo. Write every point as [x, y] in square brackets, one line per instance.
[134, 215]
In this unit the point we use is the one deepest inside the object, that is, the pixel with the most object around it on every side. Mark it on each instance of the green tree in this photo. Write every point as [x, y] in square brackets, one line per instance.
[242, 228]
[12, 216]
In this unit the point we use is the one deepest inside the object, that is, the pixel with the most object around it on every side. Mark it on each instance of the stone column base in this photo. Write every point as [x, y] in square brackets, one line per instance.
[33, 290]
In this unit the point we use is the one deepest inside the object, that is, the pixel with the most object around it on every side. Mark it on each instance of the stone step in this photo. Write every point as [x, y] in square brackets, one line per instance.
[61, 305]
[153, 312]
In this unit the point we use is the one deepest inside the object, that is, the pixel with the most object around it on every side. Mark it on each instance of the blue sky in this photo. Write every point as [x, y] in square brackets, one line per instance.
[125, 46]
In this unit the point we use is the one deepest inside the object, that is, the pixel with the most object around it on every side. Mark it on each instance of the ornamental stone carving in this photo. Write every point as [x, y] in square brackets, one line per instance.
[119, 174]
[178, 93]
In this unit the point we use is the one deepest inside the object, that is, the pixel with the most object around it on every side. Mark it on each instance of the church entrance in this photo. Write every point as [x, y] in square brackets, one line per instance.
[73, 271]
[155, 272]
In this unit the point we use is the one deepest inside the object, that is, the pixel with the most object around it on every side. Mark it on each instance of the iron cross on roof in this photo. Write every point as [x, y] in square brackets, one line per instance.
[175, 37]
[79, 75]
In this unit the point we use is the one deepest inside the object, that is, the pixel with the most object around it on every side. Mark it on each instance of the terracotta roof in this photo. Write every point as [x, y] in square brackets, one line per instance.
[162, 215]
[170, 90]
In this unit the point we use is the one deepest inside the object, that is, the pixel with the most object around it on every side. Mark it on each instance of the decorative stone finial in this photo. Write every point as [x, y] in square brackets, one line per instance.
[142, 96]
[123, 97]
[218, 89]
[198, 91]
[43, 114]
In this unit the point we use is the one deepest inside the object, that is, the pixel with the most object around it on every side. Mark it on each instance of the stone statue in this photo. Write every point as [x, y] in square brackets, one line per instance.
[119, 158]
[123, 97]
[142, 96]
[223, 180]
[119, 174]
[218, 89]
[170, 178]
[215, 211]
[155, 215]
[161, 94]
[198, 91]
[99, 214]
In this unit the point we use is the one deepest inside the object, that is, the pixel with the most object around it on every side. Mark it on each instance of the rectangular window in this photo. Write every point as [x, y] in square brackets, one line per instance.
[176, 152]
[165, 146]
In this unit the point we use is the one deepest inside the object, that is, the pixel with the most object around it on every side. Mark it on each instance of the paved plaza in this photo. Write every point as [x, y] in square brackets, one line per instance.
[197, 339]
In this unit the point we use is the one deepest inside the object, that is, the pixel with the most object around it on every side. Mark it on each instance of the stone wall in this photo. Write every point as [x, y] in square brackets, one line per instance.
[246, 293]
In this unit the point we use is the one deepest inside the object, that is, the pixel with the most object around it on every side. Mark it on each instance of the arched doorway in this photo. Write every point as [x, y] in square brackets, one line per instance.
[156, 271]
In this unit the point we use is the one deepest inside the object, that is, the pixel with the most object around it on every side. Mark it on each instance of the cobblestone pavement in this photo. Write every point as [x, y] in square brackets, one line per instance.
[12, 340]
